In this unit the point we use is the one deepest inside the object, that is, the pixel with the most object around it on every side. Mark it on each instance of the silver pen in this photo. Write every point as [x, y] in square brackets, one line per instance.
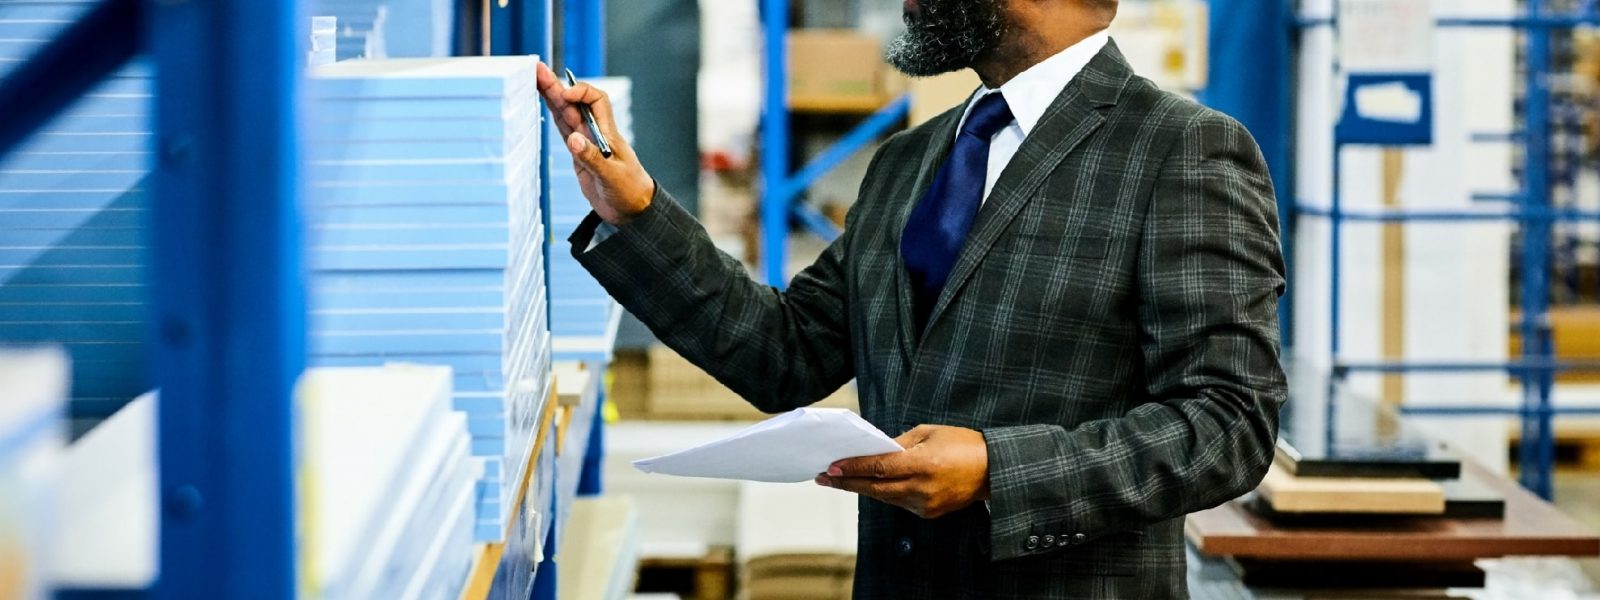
[588, 119]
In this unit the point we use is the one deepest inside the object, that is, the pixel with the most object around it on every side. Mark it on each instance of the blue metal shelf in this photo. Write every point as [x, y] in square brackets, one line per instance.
[227, 276]
[780, 189]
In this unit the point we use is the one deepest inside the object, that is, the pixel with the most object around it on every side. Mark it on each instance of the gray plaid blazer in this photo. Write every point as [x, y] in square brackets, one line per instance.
[1111, 328]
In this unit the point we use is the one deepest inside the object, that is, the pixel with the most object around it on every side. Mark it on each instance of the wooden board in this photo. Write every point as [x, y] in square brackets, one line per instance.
[1295, 494]
[1469, 497]
[486, 559]
[1531, 527]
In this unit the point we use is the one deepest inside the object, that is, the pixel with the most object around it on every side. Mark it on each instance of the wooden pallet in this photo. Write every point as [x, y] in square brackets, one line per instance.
[1577, 443]
[708, 577]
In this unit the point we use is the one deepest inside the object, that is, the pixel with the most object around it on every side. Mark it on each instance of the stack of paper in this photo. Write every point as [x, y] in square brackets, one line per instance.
[390, 28]
[324, 41]
[426, 240]
[583, 316]
[387, 493]
[33, 431]
[72, 248]
[790, 448]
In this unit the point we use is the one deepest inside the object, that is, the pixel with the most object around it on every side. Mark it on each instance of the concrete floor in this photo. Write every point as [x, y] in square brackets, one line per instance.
[1578, 495]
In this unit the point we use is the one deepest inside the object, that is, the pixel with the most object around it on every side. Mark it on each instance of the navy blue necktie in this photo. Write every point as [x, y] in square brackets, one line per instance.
[938, 226]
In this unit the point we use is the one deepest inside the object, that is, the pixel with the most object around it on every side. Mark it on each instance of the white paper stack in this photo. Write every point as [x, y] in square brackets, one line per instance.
[33, 431]
[583, 316]
[72, 247]
[324, 41]
[390, 28]
[386, 504]
[426, 240]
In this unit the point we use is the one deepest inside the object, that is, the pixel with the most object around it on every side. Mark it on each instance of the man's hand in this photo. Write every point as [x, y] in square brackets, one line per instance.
[943, 470]
[618, 187]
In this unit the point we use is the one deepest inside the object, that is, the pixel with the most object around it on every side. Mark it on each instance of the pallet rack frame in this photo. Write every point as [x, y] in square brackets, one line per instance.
[1532, 210]
[227, 274]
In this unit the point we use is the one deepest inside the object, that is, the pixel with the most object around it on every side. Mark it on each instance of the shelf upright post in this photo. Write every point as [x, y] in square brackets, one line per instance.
[584, 37]
[227, 293]
[775, 144]
[1536, 454]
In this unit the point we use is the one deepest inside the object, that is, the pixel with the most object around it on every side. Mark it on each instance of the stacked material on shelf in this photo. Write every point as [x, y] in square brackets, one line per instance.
[390, 28]
[796, 542]
[108, 486]
[427, 244]
[33, 432]
[324, 41]
[578, 391]
[71, 203]
[386, 496]
[584, 318]
[600, 560]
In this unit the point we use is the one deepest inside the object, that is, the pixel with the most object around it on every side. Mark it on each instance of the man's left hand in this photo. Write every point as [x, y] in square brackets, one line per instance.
[943, 470]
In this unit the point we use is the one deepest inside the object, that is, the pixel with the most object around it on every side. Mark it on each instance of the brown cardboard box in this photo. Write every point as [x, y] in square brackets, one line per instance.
[931, 96]
[673, 389]
[840, 69]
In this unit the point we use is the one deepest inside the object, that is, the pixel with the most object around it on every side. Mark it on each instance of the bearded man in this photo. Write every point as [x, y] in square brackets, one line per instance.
[1061, 296]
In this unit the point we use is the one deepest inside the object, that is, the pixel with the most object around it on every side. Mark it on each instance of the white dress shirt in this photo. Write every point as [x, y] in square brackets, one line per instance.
[1029, 95]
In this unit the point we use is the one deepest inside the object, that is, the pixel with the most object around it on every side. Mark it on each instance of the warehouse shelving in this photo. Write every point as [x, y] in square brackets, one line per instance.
[228, 334]
[780, 189]
[1243, 26]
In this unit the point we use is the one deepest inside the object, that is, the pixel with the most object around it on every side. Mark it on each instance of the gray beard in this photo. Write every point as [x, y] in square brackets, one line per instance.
[949, 35]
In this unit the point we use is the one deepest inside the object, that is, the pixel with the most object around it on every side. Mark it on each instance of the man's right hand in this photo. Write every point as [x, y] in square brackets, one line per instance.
[618, 188]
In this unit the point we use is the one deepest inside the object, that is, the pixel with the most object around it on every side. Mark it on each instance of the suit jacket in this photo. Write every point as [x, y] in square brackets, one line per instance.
[1110, 327]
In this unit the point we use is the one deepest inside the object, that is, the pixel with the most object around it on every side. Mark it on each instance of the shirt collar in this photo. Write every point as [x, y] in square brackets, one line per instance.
[1031, 92]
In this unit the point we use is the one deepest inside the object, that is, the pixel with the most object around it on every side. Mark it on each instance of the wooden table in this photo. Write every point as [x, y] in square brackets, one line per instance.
[1531, 527]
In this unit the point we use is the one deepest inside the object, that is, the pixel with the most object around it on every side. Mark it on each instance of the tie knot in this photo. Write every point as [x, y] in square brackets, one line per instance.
[991, 115]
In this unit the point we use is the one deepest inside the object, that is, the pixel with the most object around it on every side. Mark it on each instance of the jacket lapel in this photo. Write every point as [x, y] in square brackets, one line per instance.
[1074, 115]
[944, 134]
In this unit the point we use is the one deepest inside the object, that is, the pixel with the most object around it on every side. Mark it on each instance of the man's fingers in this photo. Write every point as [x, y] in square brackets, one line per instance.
[585, 155]
[887, 490]
[599, 104]
[886, 466]
[551, 88]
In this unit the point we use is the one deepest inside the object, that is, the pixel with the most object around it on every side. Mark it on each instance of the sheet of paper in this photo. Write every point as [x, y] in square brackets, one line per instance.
[790, 448]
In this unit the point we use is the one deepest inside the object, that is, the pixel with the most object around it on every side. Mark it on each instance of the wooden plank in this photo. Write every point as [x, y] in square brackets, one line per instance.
[487, 556]
[1531, 527]
[1294, 494]
[1394, 280]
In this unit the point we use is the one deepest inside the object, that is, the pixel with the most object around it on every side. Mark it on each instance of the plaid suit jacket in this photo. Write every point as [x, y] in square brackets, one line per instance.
[1110, 326]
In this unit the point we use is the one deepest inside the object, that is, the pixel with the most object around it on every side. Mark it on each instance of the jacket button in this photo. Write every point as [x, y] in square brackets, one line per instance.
[1033, 542]
[904, 546]
[1080, 538]
[1049, 541]
[1064, 541]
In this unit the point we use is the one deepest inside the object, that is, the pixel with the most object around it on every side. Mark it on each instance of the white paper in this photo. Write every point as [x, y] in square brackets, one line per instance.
[1393, 102]
[790, 448]
[1386, 36]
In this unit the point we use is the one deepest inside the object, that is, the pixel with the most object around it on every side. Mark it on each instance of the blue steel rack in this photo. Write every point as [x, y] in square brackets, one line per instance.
[1276, 27]
[227, 279]
[780, 189]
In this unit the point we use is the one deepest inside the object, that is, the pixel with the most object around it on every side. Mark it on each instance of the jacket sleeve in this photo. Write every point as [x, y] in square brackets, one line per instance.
[1210, 272]
[780, 350]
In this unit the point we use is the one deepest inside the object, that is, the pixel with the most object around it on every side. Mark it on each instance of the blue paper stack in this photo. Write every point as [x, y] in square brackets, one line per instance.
[426, 241]
[583, 317]
[72, 250]
[390, 28]
[324, 41]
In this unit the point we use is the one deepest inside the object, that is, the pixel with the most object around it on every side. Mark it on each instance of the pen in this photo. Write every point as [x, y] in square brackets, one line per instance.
[588, 119]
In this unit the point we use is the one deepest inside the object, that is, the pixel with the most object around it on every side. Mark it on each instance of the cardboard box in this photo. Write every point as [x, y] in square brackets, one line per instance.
[676, 390]
[838, 68]
[931, 96]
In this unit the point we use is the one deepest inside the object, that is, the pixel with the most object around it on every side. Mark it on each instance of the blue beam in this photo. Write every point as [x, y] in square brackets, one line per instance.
[1258, 33]
[816, 222]
[99, 43]
[1489, 411]
[584, 37]
[1544, 20]
[886, 118]
[1545, 364]
[1538, 437]
[1527, 215]
[227, 292]
[775, 144]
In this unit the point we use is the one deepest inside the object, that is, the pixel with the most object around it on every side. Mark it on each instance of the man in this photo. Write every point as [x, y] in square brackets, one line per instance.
[1060, 295]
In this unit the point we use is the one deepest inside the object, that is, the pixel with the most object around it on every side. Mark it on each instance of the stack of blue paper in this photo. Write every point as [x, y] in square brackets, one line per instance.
[324, 41]
[72, 247]
[426, 241]
[390, 28]
[583, 317]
